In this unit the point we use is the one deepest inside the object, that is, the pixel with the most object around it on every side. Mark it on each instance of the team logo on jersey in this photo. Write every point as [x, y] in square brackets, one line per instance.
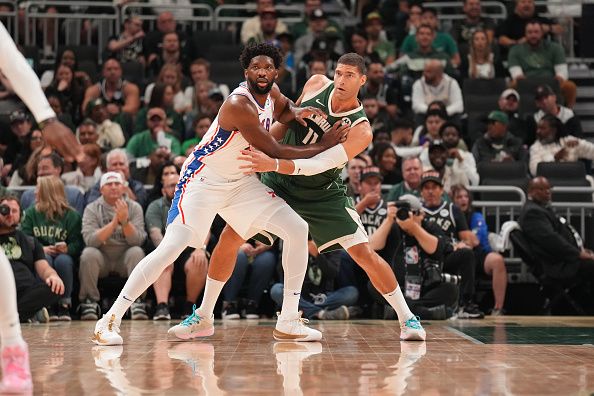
[382, 212]
[346, 121]
[320, 103]
[444, 213]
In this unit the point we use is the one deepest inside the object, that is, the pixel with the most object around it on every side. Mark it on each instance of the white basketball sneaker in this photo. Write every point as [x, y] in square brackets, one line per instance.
[107, 331]
[194, 326]
[412, 330]
[293, 328]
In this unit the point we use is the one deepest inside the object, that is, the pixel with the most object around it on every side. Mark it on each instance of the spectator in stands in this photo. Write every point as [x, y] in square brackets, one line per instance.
[53, 165]
[145, 169]
[88, 172]
[301, 28]
[200, 72]
[353, 180]
[251, 26]
[319, 298]
[453, 223]
[13, 143]
[546, 101]
[162, 98]
[117, 161]
[374, 27]
[67, 58]
[498, 144]
[386, 92]
[436, 85]
[401, 137]
[153, 42]
[86, 133]
[555, 144]
[429, 130]
[113, 231]
[193, 262]
[316, 65]
[359, 44]
[37, 284]
[127, 47]
[481, 62]
[553, 242]
[491, 263]
[157, 134]
[267, 33]
[463, 29]
[57, 226]
[21, 175]
[176, 12]
[55, 102]
[67, 89]
[536, 57]
[171, 54]
[169, 75]
[200, 126]
[167, 169]
[31, 167]
[109, 133]
[420, 246]
[318, 22]
[440, 42]
[322, 49]
[121, 97]
[512, 30]
[509, 103]
[378, 117]
[385, 158]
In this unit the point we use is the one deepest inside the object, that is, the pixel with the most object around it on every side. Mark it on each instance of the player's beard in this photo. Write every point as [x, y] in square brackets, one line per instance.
[257, 89]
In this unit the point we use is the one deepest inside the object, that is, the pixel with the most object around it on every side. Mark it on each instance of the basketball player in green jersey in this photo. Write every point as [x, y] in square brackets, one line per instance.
[314, 189]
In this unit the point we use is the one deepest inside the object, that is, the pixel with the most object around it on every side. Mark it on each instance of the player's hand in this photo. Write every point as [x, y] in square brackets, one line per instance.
[337, 134]
[55, 284]
[303, 112]
[256, 161]
[61, 138]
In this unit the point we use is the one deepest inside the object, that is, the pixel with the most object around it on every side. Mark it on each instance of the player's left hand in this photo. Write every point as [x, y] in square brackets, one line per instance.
[303, 112]
[55, 284]
[257, 161]
[61, 138]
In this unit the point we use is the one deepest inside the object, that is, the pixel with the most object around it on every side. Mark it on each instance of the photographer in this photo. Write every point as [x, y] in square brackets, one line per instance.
[418, 260]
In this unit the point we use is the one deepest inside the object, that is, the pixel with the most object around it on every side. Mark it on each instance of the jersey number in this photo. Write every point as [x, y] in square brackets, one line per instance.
[311, 137]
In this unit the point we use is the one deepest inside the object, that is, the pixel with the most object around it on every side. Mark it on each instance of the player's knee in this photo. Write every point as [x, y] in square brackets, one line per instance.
[230, 238]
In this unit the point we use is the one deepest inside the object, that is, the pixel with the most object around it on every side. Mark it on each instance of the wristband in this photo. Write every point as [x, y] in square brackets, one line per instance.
[277, 164]
[45, 123]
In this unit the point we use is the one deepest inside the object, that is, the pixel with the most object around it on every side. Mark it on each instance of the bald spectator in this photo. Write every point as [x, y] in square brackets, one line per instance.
[436, 85]
[251, 26]
[158, 134]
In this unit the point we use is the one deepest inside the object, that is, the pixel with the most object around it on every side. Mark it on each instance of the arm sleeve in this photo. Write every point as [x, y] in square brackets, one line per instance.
[23, 79]
[332, 158]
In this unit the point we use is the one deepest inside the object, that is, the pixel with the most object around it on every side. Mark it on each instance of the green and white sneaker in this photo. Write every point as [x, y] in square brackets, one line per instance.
[412, 330]
[194, 326]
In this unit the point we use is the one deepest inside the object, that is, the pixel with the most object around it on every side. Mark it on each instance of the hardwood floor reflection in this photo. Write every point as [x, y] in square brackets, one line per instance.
[510, 355]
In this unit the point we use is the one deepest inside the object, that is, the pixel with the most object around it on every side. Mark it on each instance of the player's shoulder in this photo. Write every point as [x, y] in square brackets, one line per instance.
[316, 82]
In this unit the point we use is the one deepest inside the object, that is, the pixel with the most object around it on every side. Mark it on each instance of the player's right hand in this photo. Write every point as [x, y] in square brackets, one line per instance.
[61, 138]
[337, 134]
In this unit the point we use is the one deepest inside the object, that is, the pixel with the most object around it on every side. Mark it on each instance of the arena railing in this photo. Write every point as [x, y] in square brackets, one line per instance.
[192, 16]
[491, 9]
[10, 18]
[231, 16]
[103, 17]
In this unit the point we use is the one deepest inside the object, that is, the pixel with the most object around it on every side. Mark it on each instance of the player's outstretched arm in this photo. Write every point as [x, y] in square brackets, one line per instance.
[358, 139]
[239, 114]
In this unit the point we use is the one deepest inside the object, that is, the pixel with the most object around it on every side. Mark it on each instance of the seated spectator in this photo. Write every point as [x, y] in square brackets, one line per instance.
[53, 165]
[68, 90]
[413, 61]
[385, 92]
[319, 298]
[167, 169]
[359, 44]
[441, 42]
[170, 54]
[554, 144]
[14, 142]
[169, 75]
[200, 72]
[127, 46]
[31, 167]
[88, 172]
[481, 61]
[86, 133]
[117, 161]
[162, 98]
[353, 180]
[412, 169]
[68, 58]
[537, 57]
[420, 246]
[429, 131]
[267, 33]
[463, 29]
[436, 85]
[321, 50]
[491, 263]
[318, 22]
[58, 228]
[385, 158]
[200, 126]
[37, 284]
[193, 262]
[498, 144]
[203, 101]
[113, 231]
[53, 98]
[119, 96]
[402, 138]
[301, 28]
[509, 103]
[109, 133]
[546, 101]
[153, 41]
[251, 26]
[315, 66]
[374, 27]
[561, 256]
[459, 260]
[17, 171]
[145, 169]
[378, 117]
[157, 134]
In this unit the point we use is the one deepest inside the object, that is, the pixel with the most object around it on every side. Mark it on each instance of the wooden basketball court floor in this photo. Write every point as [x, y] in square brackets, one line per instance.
[495, 356]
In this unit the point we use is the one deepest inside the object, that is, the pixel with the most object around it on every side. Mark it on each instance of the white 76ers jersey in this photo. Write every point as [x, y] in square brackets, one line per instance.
[219, 149]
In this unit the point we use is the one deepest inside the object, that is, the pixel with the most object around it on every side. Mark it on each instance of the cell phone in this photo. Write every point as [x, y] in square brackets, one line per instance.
[60, 244]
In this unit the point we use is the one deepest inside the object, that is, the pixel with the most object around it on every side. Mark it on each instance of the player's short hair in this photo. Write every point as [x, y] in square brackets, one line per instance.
[264, 49]
[353, 59]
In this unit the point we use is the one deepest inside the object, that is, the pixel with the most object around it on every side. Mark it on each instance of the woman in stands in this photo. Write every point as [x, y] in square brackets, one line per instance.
[169, 75]
[68, 90]
[200, 73]
[162, 96]
[58, 227]
[481, 62]
[168, 168]
[553, 144]
[385, 158]
[359, 44]
[88, 172]
[429, 131]
[490, 263]
[20, 175]
[68, 58]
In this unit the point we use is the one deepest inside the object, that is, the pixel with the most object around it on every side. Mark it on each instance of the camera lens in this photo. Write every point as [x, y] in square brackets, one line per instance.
[402, 214]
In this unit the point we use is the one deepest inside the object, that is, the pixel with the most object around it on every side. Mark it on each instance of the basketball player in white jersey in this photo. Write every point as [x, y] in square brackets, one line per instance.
[14, 355]
[212, 183]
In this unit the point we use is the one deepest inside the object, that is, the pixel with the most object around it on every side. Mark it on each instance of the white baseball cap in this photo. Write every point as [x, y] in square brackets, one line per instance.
[509, 92]
[111, 177]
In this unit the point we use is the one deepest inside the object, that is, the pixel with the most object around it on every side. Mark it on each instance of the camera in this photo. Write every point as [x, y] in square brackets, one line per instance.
[4, 210]
[404, 209]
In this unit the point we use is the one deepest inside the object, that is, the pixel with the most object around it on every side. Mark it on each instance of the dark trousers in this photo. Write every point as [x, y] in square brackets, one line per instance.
[461, 262]
[32, 294]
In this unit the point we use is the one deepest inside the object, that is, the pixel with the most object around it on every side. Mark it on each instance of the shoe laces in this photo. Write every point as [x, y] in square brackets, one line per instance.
[192, 319]
[413, 323]
[299, 320]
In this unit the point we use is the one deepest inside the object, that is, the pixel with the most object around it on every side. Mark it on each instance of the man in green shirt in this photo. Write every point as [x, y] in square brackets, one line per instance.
[538, 58]
[200, 126]
[144, 143]
[384, 48]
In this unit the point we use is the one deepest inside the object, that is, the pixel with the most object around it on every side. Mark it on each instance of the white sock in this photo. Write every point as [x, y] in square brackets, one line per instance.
[290, 302]
[397, 301]
[212, 290]
[10, 327]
